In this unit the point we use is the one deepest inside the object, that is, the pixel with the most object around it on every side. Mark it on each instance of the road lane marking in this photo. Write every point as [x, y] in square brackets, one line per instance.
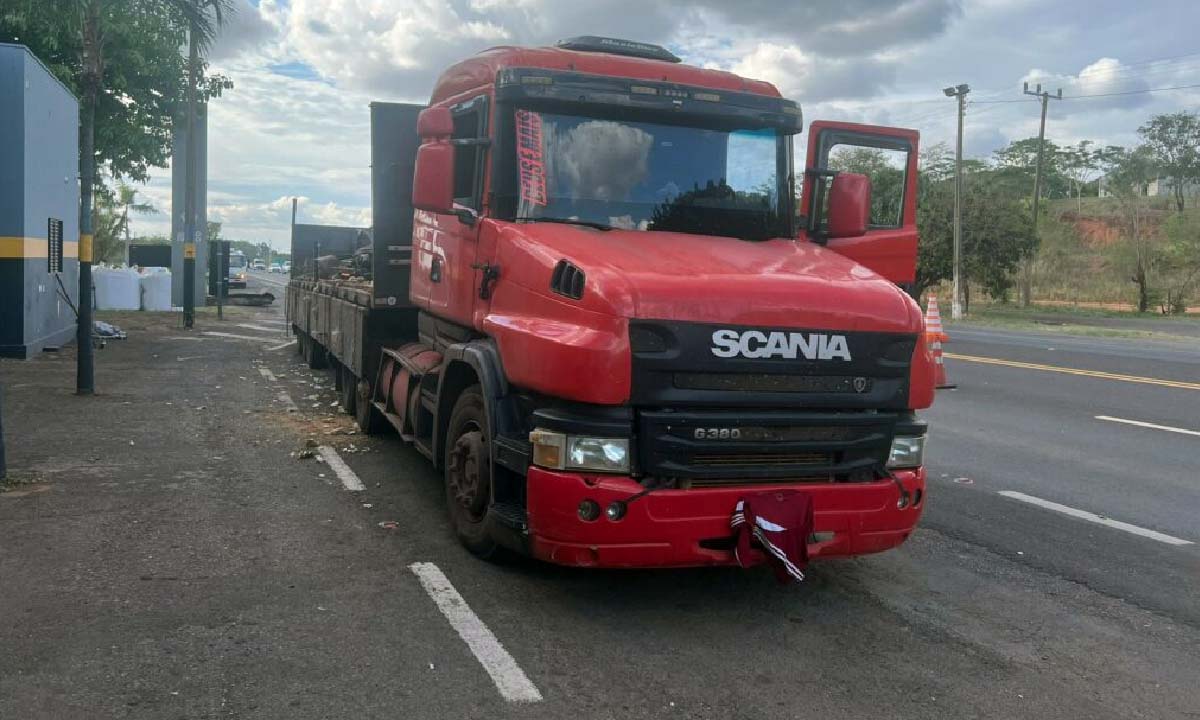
[510, 680]
[268, 374]
[1093, 517]
[1152, 426]
[1075, 371]
[232, 336]
[349, 480]
[264, 328]
[280, 347]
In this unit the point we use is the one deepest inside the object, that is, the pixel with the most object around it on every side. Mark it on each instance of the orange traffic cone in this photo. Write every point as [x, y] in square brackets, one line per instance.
[935, 336]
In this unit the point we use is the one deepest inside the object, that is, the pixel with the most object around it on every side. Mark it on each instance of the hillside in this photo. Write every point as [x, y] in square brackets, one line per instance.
[1087, 256]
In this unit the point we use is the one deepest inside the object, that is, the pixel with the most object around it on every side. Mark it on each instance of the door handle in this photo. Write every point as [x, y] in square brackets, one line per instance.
[491, 273]
[435, 270]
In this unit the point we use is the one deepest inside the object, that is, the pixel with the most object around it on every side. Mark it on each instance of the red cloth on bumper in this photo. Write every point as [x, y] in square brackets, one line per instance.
[781, 523]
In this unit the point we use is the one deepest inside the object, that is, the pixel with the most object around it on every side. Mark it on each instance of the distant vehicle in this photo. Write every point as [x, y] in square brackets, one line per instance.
[276, 268]
[287, 267]
[238, 265]
[258, 265]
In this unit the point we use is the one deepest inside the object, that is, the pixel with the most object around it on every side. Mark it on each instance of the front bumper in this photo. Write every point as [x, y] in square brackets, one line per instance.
[681, 528]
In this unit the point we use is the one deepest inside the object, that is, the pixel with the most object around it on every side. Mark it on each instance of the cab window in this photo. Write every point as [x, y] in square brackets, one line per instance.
[470, 123]
[886, 168]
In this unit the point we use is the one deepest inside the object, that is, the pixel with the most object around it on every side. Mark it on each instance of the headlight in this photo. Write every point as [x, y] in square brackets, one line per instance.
[558, 451]
[907, 452]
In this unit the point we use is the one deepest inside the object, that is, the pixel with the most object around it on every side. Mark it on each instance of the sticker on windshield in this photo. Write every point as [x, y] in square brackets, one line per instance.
[529, 155]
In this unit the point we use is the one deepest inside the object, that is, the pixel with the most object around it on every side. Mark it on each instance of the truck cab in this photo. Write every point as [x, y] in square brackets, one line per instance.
[631, 310]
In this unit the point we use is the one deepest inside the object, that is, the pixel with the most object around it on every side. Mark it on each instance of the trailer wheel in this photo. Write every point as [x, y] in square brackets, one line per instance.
[365, 415]
[314, 353]
[468, 474]
[349, 390]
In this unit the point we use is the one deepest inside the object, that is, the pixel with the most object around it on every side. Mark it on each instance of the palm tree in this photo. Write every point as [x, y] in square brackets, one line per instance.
[204, 18]
[127, 200]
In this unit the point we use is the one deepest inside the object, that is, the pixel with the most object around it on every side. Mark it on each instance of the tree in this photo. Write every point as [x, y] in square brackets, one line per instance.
[1016, 164]
[1129, 173]
[121, 58]
[886, 175]
[111, 222]
[997, 232]
[1174, 141]
[1078, 163]
[1181, 261]
[203, 18]
[134, 66]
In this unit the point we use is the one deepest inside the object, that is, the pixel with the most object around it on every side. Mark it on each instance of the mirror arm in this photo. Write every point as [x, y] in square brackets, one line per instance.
[813, 216]
[466, 216]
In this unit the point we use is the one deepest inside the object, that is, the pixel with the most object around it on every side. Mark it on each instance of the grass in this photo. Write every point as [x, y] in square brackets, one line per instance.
[1074, 311]
[1071, 321]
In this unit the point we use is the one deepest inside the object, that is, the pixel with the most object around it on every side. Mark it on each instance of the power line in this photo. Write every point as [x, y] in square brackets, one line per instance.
[1000, 102]
[1130, 92]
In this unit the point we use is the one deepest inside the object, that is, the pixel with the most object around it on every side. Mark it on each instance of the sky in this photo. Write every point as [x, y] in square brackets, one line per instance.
[296, 122]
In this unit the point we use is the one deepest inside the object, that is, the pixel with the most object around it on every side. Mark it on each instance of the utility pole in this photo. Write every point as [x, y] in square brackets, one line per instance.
[960, 92]
[189, 187]
[292, 238]
[1027, 265]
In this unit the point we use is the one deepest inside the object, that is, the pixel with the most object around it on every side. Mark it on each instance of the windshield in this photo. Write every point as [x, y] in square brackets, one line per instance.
[649, 176]
[237, 261]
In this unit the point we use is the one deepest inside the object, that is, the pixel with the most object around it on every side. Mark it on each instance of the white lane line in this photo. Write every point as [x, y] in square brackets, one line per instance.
[1093, 517]
[267, 374]
[510, 680]
[232, 336]
[1152, 426]
[280, 347]
[264, 328]
[287, 400]
[349, 480]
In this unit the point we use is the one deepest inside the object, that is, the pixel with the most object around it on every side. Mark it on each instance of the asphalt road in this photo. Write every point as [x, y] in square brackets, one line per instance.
[210, 571]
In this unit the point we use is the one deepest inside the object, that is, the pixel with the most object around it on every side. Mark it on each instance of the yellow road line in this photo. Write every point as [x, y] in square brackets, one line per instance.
[1076, 371]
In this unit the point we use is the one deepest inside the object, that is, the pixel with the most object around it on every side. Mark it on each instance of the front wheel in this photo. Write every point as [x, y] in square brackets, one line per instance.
[469, 474]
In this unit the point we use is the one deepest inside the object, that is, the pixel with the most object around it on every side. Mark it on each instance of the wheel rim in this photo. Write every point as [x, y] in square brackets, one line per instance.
[469, 483]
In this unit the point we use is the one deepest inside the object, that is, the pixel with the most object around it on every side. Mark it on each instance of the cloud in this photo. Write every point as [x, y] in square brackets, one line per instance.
[1124, 86]
[799, 74]
[247, 28]
[296, 122]
[844, 28]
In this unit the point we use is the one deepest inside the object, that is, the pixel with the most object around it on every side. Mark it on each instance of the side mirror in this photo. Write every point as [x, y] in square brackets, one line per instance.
[849, 205]
[433, 178]
[435, 123]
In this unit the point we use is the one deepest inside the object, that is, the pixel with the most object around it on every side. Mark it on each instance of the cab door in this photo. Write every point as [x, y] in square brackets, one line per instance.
[886, 155]
[445, 245]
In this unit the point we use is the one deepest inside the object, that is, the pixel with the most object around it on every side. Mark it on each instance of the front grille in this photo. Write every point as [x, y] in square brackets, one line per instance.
[724, 446]
[773, 382]
[762, 459]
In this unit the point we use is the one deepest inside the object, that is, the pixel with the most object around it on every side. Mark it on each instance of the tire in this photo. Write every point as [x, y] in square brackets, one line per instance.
[365, 415]
[314, 354]
[468, 474]
[348, 390]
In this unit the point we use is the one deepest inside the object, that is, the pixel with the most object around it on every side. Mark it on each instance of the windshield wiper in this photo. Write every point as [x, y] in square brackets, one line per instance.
[567, 221]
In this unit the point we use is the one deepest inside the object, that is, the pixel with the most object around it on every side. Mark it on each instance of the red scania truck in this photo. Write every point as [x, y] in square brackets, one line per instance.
[598, 304]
